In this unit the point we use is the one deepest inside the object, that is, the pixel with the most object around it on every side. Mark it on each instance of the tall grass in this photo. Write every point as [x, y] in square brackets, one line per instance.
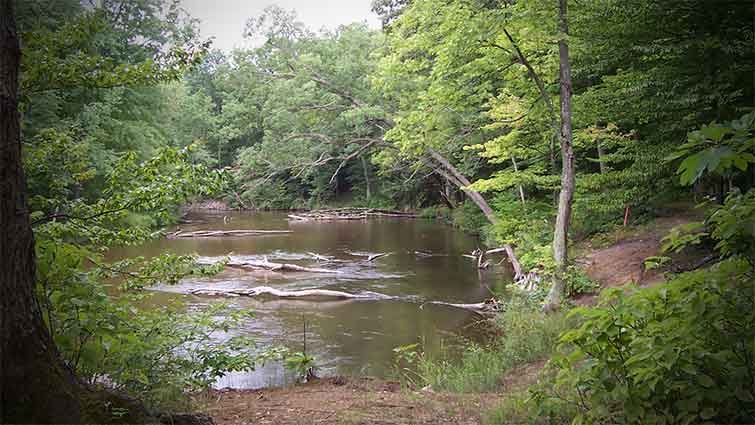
[526, 335]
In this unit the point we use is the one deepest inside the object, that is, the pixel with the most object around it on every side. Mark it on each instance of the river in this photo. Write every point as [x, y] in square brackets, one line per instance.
[345, 337]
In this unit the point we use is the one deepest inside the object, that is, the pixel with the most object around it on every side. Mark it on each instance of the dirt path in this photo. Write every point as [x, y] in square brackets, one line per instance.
[621, 262]
[346, 401]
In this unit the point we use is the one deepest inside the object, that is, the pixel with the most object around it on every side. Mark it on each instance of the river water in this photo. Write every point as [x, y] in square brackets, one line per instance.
[345, 337]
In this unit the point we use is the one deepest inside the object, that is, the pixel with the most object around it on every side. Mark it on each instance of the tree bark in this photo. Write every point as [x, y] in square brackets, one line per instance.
[366, 177]
[36, 385]
[566, 195]
[463, 184]
[601, 162]
[516, 170]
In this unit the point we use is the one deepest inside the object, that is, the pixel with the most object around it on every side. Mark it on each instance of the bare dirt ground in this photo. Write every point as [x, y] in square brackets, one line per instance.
[613, 262]
[346, 401]
[621, 262]
[616, 259]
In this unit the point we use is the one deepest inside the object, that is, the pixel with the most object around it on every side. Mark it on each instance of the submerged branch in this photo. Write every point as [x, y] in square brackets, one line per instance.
[302, 293]
[214, 233]
[489, 306]
[277, 267]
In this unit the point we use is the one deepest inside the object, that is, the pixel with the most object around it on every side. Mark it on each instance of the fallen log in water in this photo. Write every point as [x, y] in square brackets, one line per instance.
[527, 281]
[303, 293]
[370, 257]
[219, 233]
[348, 214]
[277, 267]
[423, 254]
[489, 306]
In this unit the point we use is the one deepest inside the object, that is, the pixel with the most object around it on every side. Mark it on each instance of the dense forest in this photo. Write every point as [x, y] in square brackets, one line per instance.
[535, 125]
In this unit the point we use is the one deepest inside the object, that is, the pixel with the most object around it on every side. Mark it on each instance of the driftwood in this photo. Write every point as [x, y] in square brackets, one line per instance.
[423, 254]
[277, 267]
[348, 214]
[322, 258]
[303, 293]
[370, 257]
[489, 306]
[526, 281]
[216, 233]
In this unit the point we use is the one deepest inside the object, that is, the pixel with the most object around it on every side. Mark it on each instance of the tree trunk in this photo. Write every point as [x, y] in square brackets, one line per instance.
[462, 182]
[516, 170]
[366, 177]
[453, 175]
[601, 162]
[36, 385]
[560, 234]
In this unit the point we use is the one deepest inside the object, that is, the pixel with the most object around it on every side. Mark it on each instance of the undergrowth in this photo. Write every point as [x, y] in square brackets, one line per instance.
[525, 335]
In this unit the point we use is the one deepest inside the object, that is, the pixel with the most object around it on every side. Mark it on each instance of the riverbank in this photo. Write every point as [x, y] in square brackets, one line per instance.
[343, 400]
[613, 260]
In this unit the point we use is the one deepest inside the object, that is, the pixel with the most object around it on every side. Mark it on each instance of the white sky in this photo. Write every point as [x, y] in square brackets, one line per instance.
[225, 19]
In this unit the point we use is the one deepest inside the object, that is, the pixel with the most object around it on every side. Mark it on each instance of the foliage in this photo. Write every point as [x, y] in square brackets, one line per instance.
[527, 335]
[100, 48]
[127, 115]
[468, 218]
[154, 354]
[677, 353]
[301, 364]
[680, 352]
[719, 149]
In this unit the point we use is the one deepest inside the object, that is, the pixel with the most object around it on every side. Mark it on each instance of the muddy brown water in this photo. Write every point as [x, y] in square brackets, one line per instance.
[345, 336]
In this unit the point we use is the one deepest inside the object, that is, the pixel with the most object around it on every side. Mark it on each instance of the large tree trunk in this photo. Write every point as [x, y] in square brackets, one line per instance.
[36, 385]
[560, 234]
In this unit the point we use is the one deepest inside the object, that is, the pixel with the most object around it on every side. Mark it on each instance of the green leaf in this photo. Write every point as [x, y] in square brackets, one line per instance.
[707, 413]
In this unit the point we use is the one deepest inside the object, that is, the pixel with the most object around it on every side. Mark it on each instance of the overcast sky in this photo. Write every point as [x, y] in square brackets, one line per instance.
[225, 19]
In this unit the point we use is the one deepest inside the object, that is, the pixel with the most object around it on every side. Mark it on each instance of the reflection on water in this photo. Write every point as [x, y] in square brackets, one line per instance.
[349, 336]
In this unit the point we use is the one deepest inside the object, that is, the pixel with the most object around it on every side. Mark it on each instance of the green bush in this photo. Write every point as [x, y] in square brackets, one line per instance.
[468, 218]
[677, 353]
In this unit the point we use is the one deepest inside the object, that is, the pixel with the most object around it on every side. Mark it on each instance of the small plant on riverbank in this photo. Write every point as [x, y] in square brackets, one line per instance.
[301, 364]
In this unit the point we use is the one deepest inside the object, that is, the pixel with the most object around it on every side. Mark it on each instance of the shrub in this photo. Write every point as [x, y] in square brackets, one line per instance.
[677, 353]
